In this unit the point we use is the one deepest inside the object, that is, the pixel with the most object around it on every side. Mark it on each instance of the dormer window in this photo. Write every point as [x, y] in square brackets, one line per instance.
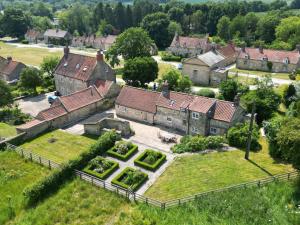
[286, 61]
[172, 102]
[265, 58]
[66, 64]
[247, 56]
[77, 66]
[84, 69]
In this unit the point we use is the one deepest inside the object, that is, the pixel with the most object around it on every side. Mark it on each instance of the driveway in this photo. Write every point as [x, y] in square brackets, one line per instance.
[33, 105]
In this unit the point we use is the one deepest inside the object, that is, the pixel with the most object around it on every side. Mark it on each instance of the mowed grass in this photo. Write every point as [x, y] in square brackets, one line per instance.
[28, 55]
[77, 202]
[197, 173]
[7, 130]
[284, 76]
[15, 174]
[58, 146]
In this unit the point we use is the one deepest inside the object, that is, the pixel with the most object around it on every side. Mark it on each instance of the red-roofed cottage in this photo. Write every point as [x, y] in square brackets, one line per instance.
[76, 72]
[180, 111]
[276, 61]
[9, 69]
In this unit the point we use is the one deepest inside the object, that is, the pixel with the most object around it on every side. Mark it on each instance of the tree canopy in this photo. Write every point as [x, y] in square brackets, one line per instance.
[5, 93]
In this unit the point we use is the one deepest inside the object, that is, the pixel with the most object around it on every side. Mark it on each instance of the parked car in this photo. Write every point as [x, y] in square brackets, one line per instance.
[52, 98]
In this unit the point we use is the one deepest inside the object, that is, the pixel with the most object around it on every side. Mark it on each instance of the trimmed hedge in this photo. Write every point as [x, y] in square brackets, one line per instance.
[44, 187]
[165, 56]
[116, 181]
[105, 174]
[139, 161]
[111, 152]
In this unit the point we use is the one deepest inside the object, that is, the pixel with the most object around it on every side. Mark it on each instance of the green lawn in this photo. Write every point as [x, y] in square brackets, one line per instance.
[244, 80]
[284, 76]
[197, 173]
[58, 146]
[7, 130]
[15, 175]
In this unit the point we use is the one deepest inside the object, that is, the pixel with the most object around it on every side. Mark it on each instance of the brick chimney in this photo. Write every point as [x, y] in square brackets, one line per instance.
[261, 49]
[165, 89]
[66, 51]
[99, 56]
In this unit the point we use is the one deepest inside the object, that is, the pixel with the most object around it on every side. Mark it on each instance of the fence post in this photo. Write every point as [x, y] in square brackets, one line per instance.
[92, 180]
[179, 202]
[163, 205]
[104, 184]
[258, 184]
[30, 156]
[288, 176]
[49, 164]
[22, 153]
[134, 196]
[40, 159]
[147, 201]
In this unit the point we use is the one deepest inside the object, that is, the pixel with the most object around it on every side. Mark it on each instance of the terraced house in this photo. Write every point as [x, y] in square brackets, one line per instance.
[10, 69]
[186, 113]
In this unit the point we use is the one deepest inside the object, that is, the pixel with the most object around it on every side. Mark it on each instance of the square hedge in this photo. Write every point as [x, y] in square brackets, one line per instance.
[112, 152]
[118, 179]
[139, 161]
[105, 174]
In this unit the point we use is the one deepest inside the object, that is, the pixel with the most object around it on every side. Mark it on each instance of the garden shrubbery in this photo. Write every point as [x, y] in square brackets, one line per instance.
[13, 115]
[41, 189]
[206, 92]
[150, 160]
[238, 135]
[198, 143]
[123, 150]
[165, 56]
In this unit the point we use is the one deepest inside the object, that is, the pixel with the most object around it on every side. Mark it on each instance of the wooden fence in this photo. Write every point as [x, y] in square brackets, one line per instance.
[133, 196]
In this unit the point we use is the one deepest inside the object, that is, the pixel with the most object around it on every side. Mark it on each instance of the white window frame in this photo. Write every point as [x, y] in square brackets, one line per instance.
[213, 130]
[123, 109]
[195, 115]
[169, 119]
[195, 130]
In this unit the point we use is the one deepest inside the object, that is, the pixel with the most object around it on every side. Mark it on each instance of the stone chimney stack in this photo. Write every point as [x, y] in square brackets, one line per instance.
[176, 37]
[99, 56]
[9, 59]
[298, 47]
[236, 100]
[165, 89]
[66, 51]
[261, 49]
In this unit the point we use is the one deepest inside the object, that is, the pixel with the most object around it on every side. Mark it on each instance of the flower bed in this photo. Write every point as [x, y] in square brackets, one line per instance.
[150, 160]
[101, 167]
[130, 178]
[123, 150]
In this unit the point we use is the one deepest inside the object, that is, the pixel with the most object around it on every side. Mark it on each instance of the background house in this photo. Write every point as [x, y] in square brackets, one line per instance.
[92, 41]
[57, 37]
[189, 46]
[10, 70]
[34, 36]
[186, 113]
[270, 60]
[76, 72]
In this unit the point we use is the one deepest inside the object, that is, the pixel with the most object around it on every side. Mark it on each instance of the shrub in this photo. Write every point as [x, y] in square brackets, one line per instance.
[130, 178]
[198, 143]
[25, 42]
[206, 92]
[123, 150]
[42, 188]
[13, 115]
[165, 56]
[150, 160]
[238, 135]
[101, 167]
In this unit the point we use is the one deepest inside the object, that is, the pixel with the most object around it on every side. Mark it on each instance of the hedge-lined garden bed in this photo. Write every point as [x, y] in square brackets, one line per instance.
[150, 160]
[130, 178]
[122, 150]
[101, 167]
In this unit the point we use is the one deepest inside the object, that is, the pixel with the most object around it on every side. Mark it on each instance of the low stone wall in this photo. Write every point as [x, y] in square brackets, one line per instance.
[16, 140]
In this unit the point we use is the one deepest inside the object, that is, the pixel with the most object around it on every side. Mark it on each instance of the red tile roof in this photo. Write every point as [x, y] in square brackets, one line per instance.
[227, 51]
[33, 33]
[55, 33]
[137, 98]
[272, 55]
[175, 100]
[51, 113]
[76, 66]
[103, 86]
[80, 99]
[202, 104]
[29, 124]
[224, 111]
[191, 42]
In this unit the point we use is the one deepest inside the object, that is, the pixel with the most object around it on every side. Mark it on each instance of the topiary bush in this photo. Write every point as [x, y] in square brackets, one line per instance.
[166, 56]
[150, 160]
[238, 135]
[123, 150]
[206, 92]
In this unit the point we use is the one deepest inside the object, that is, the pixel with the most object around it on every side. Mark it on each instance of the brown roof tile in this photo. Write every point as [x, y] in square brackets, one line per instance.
[51, 113]
[227, 51]
[29, 124]
[224, 111]
[103, 86]
[191, 42]
[55, 33]
[202, 104]
[175, 100]
[137, 98]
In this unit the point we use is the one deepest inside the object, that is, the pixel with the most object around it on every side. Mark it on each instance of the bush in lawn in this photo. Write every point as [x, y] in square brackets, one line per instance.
[237, 136]
[101, 167]
[206, 92]
[43, 188]
[198, 143]
[170, 57]
[150, 159]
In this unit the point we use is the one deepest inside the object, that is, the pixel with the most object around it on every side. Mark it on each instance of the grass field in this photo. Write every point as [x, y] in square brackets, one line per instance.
[15, 174]
[284, 76]
[197, 173]
[58, 146]
[7, 130]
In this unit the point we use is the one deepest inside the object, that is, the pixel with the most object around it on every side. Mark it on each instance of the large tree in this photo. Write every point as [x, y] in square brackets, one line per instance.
[223, 28]
[230, 88]
[133, 42]
[140, 70]
[289, 31]
[266, 27]
[5, 93]
[157, 26]
[30, 78]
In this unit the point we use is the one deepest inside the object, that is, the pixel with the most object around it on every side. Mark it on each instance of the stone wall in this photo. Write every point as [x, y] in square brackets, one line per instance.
[200, 77]
[134, 114]
[261, 65]
[185, 52]
[102, 71]
[66, 85]
[34, 130]
[217, 76]
[201, 124]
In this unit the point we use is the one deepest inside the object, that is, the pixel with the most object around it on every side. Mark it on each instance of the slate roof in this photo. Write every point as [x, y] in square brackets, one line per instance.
[211, 58]
[145, 100]
[272, 55]
[55, 33]
[76, 66]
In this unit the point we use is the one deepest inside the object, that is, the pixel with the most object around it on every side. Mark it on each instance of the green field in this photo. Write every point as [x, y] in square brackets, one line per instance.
[58, 146]
[197, 173]
[284, 76]
[15, 174]
[7, 130]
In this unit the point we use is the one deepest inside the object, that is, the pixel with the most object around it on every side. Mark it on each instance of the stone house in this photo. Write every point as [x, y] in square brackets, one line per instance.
[92, 41]
[186, 113]
[10, 70]
[269, 60]
[72, 108]
[75, 72]
[57, 37]
[189, 46]
[34, 36]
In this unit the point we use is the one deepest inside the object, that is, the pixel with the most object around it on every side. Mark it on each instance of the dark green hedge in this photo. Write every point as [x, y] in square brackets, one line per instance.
[136, 186]
[139, 161]
[43, 188]
[125, 157]
[166, 56]
[105, 174]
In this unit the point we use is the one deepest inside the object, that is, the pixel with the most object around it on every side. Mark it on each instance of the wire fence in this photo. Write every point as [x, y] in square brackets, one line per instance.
[133, 196]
